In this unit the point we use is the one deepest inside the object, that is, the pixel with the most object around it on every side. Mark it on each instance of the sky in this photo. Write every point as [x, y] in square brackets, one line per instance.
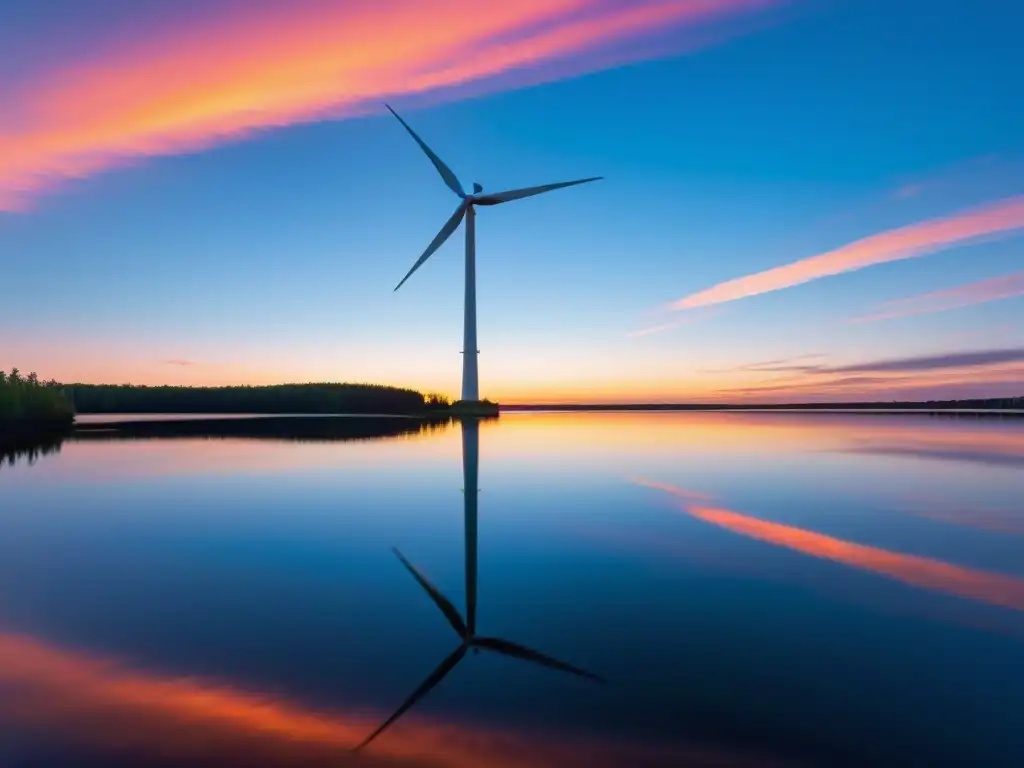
[803, 200]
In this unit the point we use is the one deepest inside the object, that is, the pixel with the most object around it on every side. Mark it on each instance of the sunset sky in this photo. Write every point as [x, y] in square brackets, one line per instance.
[803, 199]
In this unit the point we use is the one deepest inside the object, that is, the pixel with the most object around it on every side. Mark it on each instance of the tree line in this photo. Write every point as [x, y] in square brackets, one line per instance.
[280, 399]
[26, 402]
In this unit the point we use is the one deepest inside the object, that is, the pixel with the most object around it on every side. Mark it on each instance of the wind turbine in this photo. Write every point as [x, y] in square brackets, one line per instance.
[467, 210]
[466, 629]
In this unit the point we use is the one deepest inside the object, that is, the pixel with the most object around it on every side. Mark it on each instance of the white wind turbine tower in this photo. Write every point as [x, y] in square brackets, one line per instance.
[466, 209]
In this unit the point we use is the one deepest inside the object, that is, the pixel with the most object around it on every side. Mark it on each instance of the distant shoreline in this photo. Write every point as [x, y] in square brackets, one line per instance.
[982, 408]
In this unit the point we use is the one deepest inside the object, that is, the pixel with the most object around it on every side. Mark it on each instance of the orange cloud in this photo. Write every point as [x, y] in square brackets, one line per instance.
[981, 292]
[915, 240]
[100, 703]
[925, 572]
[231, 73]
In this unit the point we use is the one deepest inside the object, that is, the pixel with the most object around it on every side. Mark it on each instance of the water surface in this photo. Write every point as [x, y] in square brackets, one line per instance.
[754, 589]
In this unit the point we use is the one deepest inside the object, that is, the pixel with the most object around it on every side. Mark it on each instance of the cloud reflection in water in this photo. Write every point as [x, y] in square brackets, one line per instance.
[924, 572]
[71, 697]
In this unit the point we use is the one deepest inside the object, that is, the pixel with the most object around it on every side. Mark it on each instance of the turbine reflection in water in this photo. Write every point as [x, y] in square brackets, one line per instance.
[466, 630]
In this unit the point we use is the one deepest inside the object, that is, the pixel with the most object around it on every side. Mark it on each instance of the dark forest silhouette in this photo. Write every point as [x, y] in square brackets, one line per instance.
[280, 399]
[30, 405]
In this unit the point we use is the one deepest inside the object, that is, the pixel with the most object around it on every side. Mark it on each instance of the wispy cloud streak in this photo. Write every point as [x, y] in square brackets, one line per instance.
[688, 320]
[654, 329]
[962, 385]
[244, 67]
[971, 294]
[972, 359]
[920, 239]
[799, 364]
[888, 374]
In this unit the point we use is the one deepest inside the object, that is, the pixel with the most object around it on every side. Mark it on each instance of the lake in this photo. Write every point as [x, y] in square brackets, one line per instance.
[752, 589]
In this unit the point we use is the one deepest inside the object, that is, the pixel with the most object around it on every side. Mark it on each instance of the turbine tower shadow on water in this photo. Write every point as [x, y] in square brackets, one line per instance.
[466, 629]
[467, 210]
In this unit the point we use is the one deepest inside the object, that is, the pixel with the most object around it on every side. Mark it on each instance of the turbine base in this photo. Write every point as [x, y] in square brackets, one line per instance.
[474, 408]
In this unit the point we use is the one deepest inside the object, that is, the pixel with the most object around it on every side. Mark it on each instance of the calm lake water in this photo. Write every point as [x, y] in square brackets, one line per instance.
[754, 589]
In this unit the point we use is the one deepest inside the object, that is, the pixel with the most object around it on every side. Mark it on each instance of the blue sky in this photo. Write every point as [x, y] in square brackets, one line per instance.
[264, 249]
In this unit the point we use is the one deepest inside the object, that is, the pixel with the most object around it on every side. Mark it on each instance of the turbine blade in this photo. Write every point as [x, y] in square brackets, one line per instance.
[450, 612]
[432, 680]
[517, 651]
[518, 194]
[446, 172]
[446, 231]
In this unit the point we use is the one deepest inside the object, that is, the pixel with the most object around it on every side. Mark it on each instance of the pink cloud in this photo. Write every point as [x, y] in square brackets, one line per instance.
[907, 242]
[981, 292]
[232, 72]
